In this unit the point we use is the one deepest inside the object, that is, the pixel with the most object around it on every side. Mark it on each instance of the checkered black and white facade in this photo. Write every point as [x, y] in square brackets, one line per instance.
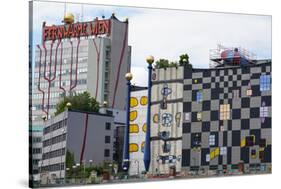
[227, 118]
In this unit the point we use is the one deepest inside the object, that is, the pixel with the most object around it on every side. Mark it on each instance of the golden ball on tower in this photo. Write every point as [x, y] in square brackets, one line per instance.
[68, 18]
[150, 59]
[129, 76]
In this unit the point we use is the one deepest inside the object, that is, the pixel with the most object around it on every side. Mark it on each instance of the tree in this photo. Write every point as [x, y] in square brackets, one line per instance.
[184, 61]
[162, 63]
[69, 159]
[83, 102]
[173, 64]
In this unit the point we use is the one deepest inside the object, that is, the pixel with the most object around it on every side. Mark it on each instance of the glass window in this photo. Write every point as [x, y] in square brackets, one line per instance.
[187, 117]
[223, 150]
[199, 96]
[264, 112]
[107, 139]
[265, 83]
[249, 90]
[212, 140]
[106, 153]
[196, 140]
[199, 116]
[107, 126]
[224, 111]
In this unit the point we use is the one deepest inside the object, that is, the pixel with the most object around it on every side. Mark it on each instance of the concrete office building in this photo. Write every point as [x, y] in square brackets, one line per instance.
[87, 136]
[92, 56]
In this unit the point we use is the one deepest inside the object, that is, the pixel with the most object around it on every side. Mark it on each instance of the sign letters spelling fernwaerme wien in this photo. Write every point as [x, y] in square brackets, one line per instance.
[82, 29]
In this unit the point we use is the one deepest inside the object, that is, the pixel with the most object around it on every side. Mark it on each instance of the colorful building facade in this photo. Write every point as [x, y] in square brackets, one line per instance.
[166, 121]
[138, 109]
[227, 119]
[211, 120]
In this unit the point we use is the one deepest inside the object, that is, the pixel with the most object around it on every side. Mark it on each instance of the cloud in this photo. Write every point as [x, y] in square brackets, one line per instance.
[169, 33]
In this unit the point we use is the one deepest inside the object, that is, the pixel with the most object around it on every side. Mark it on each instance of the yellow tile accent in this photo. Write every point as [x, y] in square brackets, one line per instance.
[133, 102]
[142, 144]
[133, 115]
[243, 142]
[212, 154]
[217, 151]
[143, 100]
[133, 147]
[155, 118]
[134, 128]
[254, 138]
[144, 127]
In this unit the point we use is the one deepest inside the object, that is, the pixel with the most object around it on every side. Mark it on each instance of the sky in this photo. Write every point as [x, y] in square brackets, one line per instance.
[167, 33]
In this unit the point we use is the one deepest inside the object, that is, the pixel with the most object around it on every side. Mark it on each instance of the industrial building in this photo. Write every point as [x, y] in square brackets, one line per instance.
[90, 56]
[215, 120]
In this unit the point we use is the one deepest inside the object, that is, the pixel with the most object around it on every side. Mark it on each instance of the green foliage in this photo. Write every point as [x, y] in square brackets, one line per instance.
[164, 63]
[69, 159]
[82, 171]
[184, 60]
[83, 102]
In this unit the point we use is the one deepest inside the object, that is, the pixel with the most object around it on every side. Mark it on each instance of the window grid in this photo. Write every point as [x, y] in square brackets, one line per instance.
[199, 96]
[223, 150]
[212, 140]
[199, 116]
[224, 111]
[263, 112]
[265, 82]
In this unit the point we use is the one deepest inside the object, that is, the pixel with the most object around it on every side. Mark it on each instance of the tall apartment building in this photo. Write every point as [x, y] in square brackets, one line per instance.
[89, 56]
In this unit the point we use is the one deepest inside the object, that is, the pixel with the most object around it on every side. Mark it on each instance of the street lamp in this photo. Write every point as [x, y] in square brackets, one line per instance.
[146, 159]
[125, 163]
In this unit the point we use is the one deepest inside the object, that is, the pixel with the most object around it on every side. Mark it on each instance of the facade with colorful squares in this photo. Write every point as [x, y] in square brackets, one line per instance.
[211, 120]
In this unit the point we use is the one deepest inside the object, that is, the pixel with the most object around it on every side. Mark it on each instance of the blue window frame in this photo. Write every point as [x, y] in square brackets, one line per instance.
[265, 84]
[199, 96]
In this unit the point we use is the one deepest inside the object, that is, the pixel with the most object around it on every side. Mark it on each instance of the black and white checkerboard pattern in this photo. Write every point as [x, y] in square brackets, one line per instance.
[225, 86]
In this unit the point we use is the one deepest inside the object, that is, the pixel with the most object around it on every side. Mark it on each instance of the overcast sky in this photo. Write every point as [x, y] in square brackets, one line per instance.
[169, 33]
